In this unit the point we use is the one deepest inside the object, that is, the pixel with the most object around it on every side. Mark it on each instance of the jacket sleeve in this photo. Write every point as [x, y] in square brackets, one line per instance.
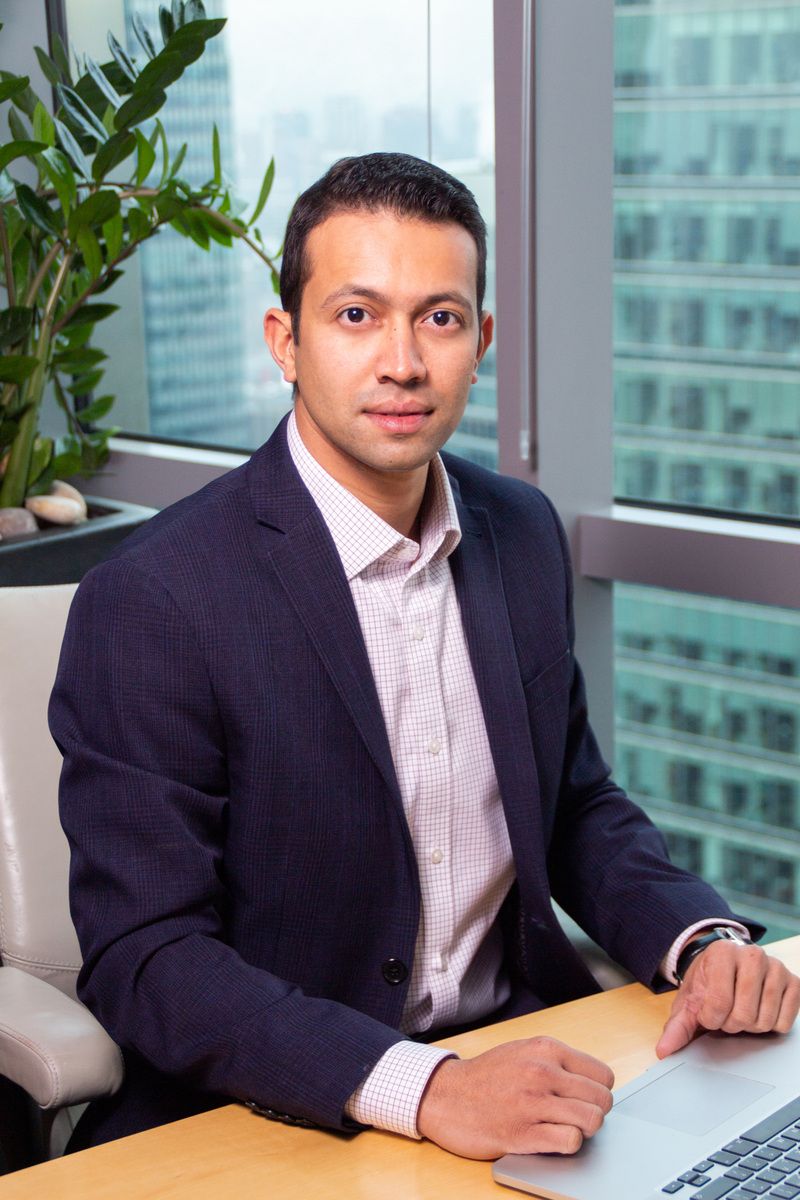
[144, 800]
[608, 863]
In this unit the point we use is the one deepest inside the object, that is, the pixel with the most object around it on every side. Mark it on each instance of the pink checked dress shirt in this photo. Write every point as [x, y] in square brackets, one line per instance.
[406, 603]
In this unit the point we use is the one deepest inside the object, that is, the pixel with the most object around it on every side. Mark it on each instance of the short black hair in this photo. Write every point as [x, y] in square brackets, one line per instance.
[397, 183]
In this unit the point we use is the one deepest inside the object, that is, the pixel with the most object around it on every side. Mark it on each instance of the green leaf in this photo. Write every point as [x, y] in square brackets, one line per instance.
[196, 29]
[96, 209]
[6, 187]
[145, 158]
[263, 195]
[143, 34]
[198, 230]
[16, 368]
[107, 281]
[167, 23]
[65, 465]
[98, 409]
[98, 75]
[138, 224]
[113, 232]
[25, 99]
[13, 150]
[92, 254]
[122, 59]
[43, 128]
[78, 359]
[276, 282]
[178, 14]
[180, 156]
[118, 147]
[40, 457]
[60, 56]
[60, 174]
[19, 132]
[138, 108]
[81, 114]
[12, 86]
[86, 383]
[48, 67]
[89, 314]
[194, 11]
[14, 324]
[160, 73]
[217, 232]
[71, 148]
[217, 156]
[34, 209]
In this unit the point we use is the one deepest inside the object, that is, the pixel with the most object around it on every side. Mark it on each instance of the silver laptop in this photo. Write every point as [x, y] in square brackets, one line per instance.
[719, 1119]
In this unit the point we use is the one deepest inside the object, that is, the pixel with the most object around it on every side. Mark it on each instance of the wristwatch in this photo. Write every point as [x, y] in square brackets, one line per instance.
[720, 933]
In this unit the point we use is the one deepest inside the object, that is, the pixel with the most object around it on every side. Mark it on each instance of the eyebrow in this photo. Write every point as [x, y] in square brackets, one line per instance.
[356, 290]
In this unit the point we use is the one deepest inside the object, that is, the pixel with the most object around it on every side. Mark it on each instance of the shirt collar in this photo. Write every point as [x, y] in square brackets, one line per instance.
[362, 538]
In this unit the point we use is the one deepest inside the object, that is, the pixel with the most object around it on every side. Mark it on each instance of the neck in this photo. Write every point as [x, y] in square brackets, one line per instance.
[395, 496]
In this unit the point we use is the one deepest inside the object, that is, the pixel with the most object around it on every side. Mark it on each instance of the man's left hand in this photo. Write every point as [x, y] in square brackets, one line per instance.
[738, 989]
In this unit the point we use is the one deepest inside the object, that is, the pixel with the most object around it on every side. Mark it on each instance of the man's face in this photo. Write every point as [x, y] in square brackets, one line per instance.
[389, 343]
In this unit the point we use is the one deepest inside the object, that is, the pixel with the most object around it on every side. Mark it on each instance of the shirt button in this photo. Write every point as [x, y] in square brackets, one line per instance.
[442, 962]
[419, 633]
[437, 856]
[434, 746]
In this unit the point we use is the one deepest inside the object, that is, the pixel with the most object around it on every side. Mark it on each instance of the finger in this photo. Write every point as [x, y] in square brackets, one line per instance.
[757, 986]
[586, 1065]
[551, 1139]
[772, 989]
[682, 1023]
[578, 1087]
[557, 1110]
[712, 979]
[790, 1004]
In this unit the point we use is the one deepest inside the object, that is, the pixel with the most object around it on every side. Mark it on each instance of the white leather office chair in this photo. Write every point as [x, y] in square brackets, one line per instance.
[50, 1045]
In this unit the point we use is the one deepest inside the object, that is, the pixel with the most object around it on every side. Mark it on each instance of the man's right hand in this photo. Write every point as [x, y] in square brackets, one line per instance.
[527, 1097]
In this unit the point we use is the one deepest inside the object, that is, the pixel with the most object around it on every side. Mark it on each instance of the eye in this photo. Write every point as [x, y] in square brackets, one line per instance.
[354, 316]
[442, 318]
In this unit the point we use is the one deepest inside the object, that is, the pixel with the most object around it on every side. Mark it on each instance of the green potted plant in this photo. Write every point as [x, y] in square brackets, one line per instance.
[103, 187]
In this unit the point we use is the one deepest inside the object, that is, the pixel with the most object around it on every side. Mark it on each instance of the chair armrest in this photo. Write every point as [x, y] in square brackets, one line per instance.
[52, 1046]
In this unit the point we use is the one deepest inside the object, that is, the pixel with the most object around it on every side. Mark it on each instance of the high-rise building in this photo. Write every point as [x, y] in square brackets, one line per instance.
[191, 297]
[707, 380]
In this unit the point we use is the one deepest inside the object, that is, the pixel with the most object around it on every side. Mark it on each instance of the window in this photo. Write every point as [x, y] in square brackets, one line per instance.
[273, 87]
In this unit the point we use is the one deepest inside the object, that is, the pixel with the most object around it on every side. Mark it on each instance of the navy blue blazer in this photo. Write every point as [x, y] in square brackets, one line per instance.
[241, 865]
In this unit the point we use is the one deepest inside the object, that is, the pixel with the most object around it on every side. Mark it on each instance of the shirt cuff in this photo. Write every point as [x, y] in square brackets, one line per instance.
[390, 1096]
[670, 961]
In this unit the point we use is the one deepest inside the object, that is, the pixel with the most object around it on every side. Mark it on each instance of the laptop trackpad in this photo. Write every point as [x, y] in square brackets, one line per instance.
[692, 1099]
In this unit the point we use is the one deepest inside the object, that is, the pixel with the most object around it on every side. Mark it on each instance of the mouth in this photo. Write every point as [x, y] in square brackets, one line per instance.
[399, 418]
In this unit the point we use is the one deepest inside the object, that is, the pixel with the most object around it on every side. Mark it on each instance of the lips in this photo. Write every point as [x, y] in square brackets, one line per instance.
[404, 421]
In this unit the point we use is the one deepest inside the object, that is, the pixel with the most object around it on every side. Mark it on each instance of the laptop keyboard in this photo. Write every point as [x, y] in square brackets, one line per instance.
[764, 1162]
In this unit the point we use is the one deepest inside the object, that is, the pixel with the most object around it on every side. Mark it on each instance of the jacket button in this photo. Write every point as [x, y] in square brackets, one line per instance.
[394, 971]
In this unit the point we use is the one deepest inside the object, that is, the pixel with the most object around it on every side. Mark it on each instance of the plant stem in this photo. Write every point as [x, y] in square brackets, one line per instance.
[15, 480]
[236, 230]
[41, 274]
[9, 267]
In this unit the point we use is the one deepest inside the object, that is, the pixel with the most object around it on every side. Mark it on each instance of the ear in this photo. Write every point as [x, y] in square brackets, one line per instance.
[485, 340]
[278, 336]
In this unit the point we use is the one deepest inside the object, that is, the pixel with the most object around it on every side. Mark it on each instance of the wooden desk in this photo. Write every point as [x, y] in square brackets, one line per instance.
[230, 1154]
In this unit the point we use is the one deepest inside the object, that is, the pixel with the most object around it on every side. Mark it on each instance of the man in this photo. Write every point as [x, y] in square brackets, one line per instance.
[326, 747]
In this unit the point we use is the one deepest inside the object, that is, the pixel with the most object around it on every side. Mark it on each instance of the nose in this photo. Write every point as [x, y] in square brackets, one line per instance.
[400, 359]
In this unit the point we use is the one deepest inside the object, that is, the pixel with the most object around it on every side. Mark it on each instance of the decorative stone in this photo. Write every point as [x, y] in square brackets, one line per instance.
[60, 488]
[14, 521]
[59, 510]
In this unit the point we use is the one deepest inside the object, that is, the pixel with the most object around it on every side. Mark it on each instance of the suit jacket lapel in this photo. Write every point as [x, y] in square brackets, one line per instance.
[304, 557]
[479, 587]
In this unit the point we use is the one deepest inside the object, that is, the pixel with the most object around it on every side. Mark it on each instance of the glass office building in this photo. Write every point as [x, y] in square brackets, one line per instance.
[707, 402]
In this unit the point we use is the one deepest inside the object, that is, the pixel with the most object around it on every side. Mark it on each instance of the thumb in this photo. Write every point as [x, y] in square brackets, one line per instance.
[681, 1026]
